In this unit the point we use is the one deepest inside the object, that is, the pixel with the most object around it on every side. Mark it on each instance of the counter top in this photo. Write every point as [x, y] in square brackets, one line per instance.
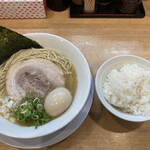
[99, 39]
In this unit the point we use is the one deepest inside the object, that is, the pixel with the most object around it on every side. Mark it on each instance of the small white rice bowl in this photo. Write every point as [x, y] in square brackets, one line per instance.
[106, 77]
[84, 83]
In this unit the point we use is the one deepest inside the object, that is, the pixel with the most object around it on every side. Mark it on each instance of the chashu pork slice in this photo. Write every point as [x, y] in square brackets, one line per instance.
[33, 75]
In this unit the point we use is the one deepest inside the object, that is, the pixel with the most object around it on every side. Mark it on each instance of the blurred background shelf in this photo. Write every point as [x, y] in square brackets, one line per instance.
[101, 11]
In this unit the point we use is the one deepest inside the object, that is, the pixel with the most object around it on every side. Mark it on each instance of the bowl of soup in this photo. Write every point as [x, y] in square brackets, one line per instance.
[44, 89]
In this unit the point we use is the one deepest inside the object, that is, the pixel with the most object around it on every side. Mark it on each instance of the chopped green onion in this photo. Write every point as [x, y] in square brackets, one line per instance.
[23, 105]
[40, 107]
[35, 117]
[36, 101]
[30, 105]
[23, 111]
[30, 111]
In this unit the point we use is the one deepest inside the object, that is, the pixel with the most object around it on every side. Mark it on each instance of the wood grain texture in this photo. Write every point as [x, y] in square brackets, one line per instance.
[99, 39]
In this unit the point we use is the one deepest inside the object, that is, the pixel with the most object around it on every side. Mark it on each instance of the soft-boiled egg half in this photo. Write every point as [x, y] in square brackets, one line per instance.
[57, 101]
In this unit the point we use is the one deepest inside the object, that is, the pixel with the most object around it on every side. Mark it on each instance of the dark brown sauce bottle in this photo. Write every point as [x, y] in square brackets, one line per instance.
[128, 6]
[58, 5]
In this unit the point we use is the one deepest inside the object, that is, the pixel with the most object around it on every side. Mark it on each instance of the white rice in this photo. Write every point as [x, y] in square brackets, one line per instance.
[129, 89]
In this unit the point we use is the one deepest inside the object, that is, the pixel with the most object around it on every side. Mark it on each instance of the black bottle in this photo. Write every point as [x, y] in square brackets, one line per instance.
[58, 5]
[104, 2]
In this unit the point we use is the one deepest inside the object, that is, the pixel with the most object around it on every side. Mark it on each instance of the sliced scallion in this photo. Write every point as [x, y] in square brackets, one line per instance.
[30, 111]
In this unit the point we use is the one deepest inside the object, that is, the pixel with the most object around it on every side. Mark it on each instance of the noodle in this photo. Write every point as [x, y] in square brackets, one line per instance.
[52, 55]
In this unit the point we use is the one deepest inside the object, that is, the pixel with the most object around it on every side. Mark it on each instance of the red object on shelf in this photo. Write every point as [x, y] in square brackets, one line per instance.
[20, 9]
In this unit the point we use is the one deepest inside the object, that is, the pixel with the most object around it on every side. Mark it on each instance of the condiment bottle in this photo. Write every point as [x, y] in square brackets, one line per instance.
[77, 2]
[58, 5]
[128, 6]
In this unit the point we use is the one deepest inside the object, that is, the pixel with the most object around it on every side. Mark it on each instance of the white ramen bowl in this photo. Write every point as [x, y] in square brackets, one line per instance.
[83, 89]
[116, 63]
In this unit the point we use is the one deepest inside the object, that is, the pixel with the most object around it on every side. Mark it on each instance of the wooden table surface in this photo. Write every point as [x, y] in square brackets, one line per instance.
[99, 40]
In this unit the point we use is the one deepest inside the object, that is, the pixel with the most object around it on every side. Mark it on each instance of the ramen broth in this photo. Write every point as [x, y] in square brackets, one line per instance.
[71, 83]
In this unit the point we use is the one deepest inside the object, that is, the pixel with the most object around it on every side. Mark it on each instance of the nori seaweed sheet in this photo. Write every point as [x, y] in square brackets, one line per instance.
[11, 42]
